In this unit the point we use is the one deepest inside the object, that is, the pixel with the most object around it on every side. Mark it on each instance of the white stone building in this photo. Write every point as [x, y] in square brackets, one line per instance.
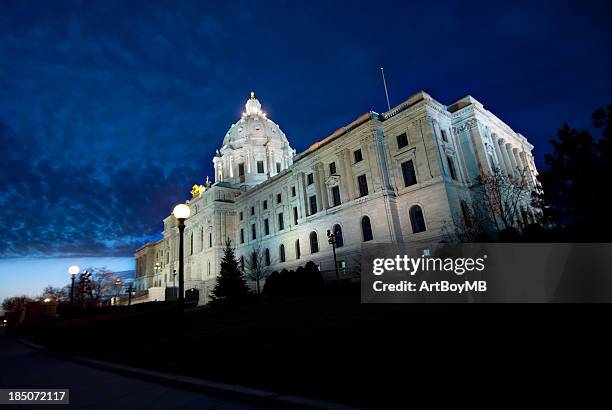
[400, 176]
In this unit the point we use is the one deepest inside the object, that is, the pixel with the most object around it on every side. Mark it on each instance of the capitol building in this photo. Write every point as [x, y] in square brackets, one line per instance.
[401, 176]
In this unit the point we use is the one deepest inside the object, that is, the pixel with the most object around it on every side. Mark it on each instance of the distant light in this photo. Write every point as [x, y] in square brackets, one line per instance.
[74, 270]
[181, 211]
[47, 300]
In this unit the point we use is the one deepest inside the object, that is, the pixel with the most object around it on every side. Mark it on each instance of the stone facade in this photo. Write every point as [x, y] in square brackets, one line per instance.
[400, 176]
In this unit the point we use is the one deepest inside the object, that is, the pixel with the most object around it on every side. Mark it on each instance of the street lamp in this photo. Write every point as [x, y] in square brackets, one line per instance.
[73, 270]
[181, 212]
[332, 241]
[117, 287]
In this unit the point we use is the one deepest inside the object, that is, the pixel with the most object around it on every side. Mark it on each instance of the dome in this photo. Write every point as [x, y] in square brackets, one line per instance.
[254, 125]
[254, 149]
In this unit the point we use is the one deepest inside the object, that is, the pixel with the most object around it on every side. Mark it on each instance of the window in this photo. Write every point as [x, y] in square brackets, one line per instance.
[253, 232]
[298, 253]
[338, 236]
[281, 253]
[252, 210]
[292, 191]
[260, 167]
[210, 239]
[444, 137]
[451, 168]
[363, 185]
[314, 242]
[332, 168]
[241, 235]
[310, 179]
[279, 198]
[313, 205]
[466, 214]
[191, 244]
[266, 227]
[281, 222]
[265, 204]
[241, 172]
[336, 195]
[366, 229]
[402, 141]
[408, 173]
[267, 256]
[416, 219]
[295, 215]
[278, 167]
[242, 262]
[254, 261]
[241, 216]
[358, 156]
[201, 238]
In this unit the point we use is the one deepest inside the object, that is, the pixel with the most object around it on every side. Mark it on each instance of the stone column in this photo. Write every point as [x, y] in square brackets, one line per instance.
[318, 178]
[500, 160]
[347, 176]
[512, 160]
[504, 153]
[302, 193]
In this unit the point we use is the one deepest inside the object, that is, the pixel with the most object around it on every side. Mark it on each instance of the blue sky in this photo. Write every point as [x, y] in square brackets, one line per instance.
[111, 110]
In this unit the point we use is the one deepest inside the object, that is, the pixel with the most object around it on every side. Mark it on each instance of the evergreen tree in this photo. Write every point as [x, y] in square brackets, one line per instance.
[231, 285]
[572, 180]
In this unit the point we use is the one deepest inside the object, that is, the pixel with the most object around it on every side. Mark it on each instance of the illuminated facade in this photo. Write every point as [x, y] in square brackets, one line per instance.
[401, 176]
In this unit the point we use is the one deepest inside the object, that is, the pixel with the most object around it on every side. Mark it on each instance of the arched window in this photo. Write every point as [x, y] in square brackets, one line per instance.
[281, 252]
[417, 220]
[366, 229]
[314, 242]
[298, 253]
[338, 236]
[267, 256]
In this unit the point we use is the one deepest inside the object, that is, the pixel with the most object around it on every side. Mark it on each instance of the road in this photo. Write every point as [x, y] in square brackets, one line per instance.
[25, 367]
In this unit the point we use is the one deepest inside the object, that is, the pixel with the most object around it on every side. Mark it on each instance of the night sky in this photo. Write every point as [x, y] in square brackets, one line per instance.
[110, 110]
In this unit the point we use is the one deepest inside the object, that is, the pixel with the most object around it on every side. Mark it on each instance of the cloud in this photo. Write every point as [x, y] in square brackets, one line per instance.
[68, 208]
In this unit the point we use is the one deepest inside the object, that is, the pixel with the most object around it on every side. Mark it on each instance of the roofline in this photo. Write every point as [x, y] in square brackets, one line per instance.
[336, 134]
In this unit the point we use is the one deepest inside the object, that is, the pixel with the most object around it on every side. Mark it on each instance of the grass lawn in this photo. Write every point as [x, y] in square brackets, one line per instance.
[329, 346]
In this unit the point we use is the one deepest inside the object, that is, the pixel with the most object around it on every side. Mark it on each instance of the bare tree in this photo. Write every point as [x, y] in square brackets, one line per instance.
[15, 304]
[503, 197]
[257, 265]
[498, 203]
[57, 294]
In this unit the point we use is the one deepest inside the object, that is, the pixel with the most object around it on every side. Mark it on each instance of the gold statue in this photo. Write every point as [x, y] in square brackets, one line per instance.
[197, 190]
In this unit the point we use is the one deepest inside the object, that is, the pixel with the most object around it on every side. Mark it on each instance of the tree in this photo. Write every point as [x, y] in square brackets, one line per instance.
[15, 304]
[498, 207]
[257, 266]
[503, 198]
[60, 295]
[231, 285]
[572, 179]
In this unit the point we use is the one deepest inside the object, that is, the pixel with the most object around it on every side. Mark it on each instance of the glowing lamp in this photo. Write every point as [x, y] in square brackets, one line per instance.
[74, 270]
[181, 211]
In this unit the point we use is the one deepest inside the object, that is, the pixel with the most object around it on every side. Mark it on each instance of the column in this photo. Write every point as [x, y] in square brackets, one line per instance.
[512, 160]
[504, 153]
[348, 175]
[318, 188]
[500, 160]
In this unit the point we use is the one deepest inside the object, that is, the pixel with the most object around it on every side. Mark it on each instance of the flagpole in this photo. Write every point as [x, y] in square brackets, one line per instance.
[382, 71]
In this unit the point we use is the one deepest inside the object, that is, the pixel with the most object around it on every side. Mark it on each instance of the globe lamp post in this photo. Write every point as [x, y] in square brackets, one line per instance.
[73, 270]
[181, 212]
